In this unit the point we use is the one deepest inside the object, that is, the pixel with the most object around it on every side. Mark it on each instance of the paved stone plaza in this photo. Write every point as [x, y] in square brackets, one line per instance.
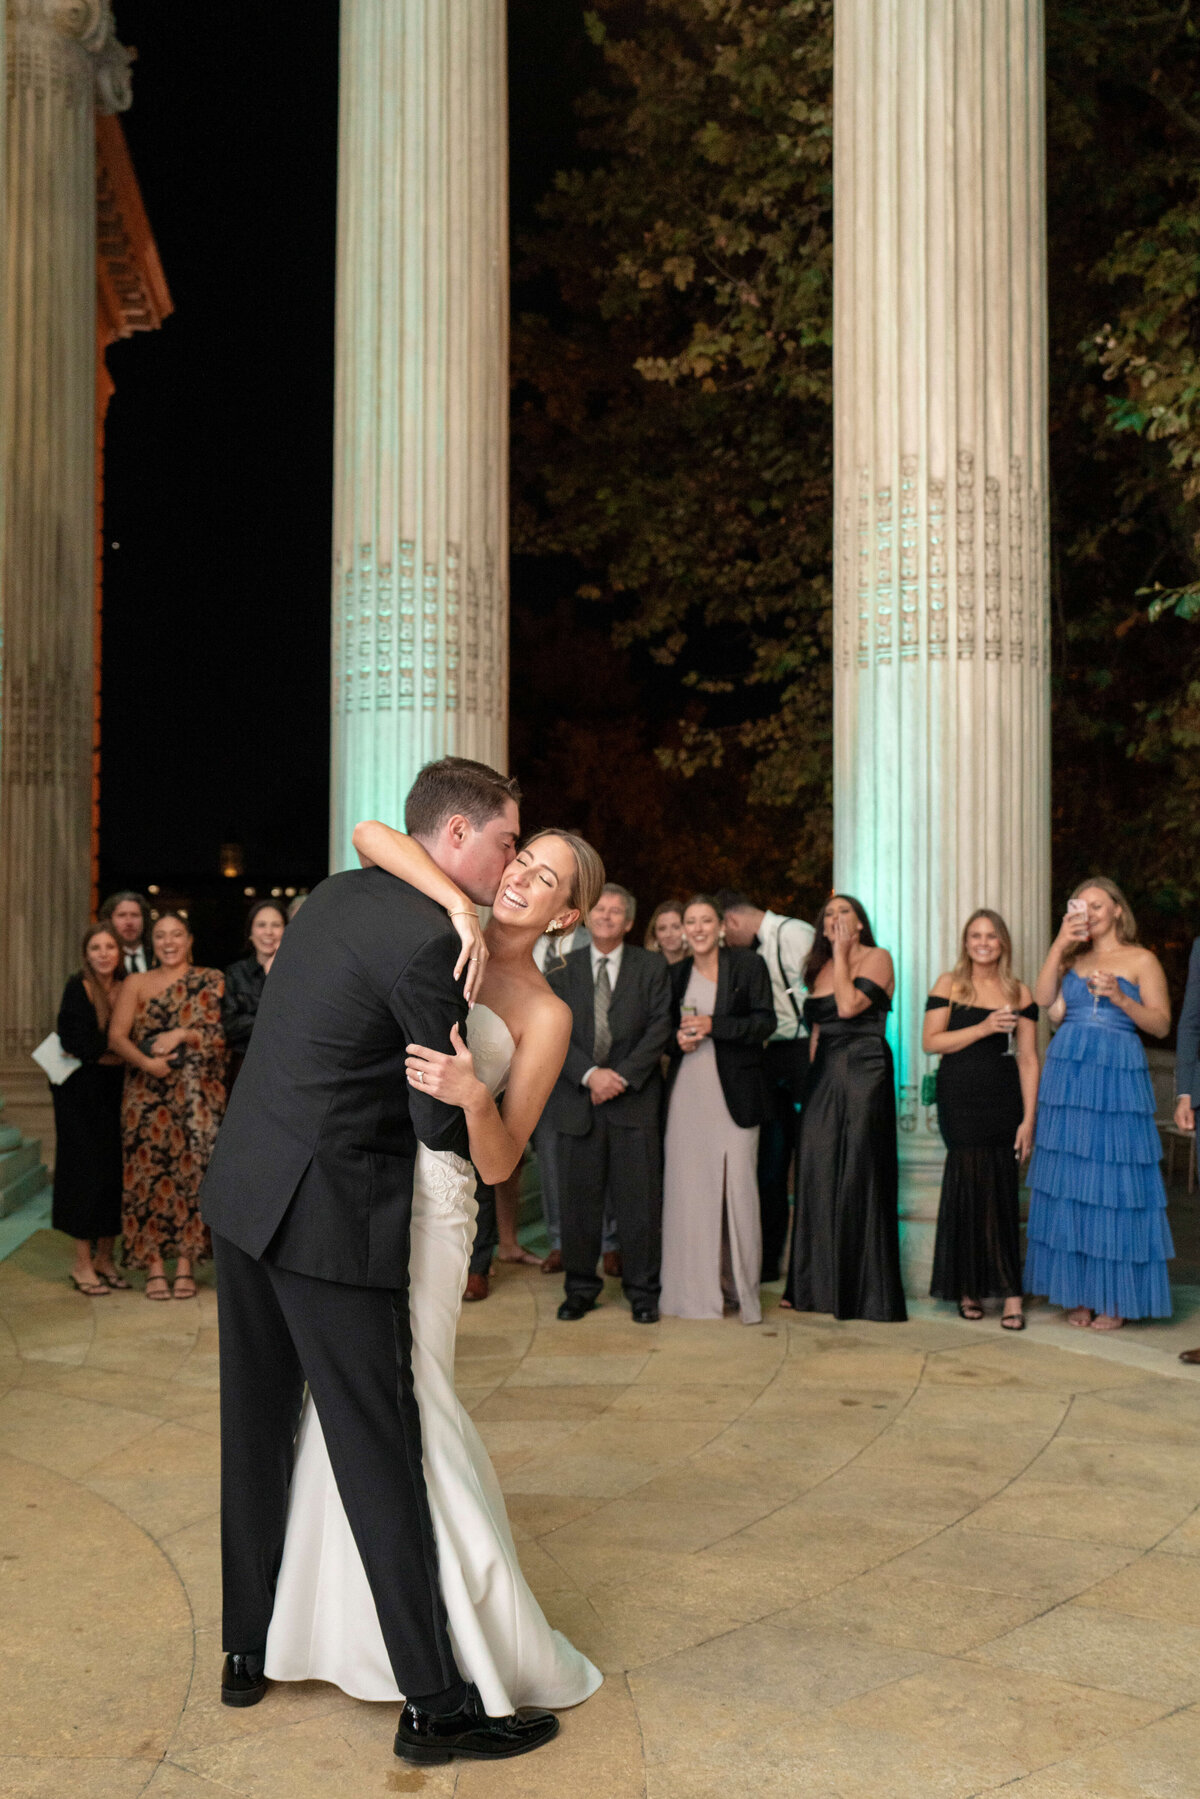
[904, 1562]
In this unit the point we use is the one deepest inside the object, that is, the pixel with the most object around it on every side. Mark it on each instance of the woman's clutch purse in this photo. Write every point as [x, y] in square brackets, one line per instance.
[929, 1088]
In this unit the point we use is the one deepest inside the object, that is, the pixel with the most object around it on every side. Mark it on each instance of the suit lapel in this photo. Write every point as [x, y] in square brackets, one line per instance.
[721, 1003]
[584, 1000]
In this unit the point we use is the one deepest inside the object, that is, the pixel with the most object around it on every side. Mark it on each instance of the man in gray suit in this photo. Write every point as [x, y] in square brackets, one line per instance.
[607, 1108]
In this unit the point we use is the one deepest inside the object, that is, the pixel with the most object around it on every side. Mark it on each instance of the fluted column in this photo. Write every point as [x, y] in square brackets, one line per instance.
[420, 611]
[63, 63]
[941, 761]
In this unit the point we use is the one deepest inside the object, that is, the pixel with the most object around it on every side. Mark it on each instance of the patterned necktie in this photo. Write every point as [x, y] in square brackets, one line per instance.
[602, 1041]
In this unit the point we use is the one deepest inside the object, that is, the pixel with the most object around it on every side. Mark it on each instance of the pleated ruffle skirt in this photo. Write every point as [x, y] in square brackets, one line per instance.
[1098, 1233]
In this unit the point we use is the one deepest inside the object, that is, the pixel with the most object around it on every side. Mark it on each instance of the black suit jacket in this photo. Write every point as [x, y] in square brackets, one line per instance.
[639, 1017]
[313, 1166]
[743, 1019]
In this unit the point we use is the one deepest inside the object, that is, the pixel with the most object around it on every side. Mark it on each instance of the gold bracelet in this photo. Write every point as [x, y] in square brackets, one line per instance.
[462, 914]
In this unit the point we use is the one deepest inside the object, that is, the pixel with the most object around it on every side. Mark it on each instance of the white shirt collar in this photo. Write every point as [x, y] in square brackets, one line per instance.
[614, 961]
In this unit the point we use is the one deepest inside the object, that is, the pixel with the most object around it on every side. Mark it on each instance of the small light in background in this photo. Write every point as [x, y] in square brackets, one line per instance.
[249, 892]
[291, 892]
[153, 887]
[233, 860]
[115, 546]
[277, 893]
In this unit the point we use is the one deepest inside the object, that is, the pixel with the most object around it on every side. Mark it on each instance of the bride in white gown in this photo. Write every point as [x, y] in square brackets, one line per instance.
[324, 1625]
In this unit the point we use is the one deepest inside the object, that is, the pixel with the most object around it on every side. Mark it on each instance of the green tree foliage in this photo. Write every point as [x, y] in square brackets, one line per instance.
[673, 426]
[673, 423]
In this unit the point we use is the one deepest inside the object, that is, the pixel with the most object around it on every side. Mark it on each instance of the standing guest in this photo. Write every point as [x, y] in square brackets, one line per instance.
[846, 1240]
[549, 953]
[265, 925]
[129, 915]
[664, 932]
[1098, 1242]
[87, 1117]
[982, 1021]
[784, 945]
[716, 1100]
[166, 1025]
[606, 1108]
[1187, 1068]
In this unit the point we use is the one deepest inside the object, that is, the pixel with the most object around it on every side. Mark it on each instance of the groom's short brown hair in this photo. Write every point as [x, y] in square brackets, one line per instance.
[456, 785]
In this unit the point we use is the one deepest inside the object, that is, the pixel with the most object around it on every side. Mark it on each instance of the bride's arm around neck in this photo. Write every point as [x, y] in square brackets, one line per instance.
[380, 846]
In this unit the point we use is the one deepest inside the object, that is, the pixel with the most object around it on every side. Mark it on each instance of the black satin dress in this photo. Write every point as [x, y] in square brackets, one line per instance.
[846, 1240]
[977, 1251]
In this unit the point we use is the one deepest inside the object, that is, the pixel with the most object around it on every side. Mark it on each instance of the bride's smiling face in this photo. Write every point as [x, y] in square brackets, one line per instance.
[536, 889]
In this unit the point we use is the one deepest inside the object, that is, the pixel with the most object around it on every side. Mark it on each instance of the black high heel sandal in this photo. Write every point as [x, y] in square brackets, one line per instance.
[973, 1315]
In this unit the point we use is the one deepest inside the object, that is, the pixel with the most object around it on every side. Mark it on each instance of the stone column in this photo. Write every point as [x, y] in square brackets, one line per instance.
[941, 759]
[62, 64]
[420, 534]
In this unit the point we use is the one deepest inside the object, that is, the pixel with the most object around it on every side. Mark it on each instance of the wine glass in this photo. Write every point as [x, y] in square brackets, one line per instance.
[1091, 987]
[686, 1013]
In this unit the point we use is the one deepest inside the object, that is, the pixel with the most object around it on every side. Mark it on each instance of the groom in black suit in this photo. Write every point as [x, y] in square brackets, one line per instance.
[309, 1196]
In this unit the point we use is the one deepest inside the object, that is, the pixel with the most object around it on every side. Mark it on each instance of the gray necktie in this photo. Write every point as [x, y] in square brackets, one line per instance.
[602, 1041]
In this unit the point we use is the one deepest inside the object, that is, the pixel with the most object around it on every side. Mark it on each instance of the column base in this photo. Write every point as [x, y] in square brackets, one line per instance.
[921, 1162]
[27, 1108]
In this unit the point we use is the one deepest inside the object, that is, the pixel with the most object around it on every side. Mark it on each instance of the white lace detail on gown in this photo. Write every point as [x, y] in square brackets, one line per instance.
[325, 1625]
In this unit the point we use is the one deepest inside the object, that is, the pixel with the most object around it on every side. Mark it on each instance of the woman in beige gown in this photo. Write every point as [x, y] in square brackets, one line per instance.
[712, 1227]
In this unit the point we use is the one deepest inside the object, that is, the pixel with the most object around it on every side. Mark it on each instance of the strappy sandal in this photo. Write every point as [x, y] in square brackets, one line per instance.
[183, 1280]
[90, 1289]
[158, 1280]
[114, 1281]
[971, 1310]
[1013, 1321]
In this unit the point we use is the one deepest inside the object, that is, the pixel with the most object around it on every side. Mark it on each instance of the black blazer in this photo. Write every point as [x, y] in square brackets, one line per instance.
[743, 1019]
[78, 1027]
[640, 1020]
[313, 1165]
[244, 982]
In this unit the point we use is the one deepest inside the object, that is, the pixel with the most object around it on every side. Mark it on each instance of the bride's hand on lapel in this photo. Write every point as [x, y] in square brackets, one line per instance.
[452, 1079]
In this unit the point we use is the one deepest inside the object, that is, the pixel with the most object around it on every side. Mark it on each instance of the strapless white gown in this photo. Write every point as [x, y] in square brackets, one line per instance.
[324, 1625]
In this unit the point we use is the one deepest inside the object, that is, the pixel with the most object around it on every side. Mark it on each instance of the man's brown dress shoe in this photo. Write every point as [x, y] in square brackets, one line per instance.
[1190, 1355]
[612, 1263]
[553, 1263]
[477, 1286]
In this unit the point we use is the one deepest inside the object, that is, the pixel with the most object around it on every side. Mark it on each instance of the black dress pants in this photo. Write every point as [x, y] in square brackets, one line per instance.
[776, 1146]
[616, 1172]
[353, 1345]
[487, 1230]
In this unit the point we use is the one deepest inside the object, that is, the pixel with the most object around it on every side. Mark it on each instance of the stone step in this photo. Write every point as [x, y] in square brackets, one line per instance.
[26, 1187]
[10, 1137]
[14, 1162]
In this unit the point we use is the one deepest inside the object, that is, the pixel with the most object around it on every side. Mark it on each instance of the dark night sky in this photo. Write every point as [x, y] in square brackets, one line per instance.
[219, 444]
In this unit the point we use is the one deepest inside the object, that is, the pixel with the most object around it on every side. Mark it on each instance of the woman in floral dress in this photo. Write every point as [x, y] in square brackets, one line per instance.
[166, 1025]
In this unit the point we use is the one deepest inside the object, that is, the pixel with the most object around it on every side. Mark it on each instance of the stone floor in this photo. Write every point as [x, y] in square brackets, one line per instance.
[901, 1562]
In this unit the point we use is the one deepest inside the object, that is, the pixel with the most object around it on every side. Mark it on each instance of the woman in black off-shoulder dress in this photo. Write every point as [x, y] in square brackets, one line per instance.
[846, 1237]
[986, 1101]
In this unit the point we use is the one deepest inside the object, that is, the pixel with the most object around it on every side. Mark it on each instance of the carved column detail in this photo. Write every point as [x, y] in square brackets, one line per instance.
[63, 64]
[941, 764]
[420, 602]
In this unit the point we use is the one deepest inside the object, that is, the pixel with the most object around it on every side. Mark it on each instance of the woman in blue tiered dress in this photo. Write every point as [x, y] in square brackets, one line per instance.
[1098, 1241]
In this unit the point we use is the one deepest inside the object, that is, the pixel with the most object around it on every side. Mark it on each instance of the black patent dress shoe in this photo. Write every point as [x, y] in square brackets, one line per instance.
[645, 1314]
[574, 1308]
[470, 1734]
[243, 1681]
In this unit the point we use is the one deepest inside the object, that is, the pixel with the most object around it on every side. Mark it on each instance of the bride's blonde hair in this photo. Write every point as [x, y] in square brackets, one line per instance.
[589, 872]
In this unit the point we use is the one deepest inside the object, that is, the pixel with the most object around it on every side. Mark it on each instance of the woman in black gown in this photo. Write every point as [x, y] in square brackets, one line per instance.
[87, 1118]
[846, 1237]
[986, 1103]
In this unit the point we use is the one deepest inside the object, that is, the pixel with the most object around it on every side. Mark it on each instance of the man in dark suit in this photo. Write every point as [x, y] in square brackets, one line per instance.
[607, 1108]
[129, 915]
[309, 1196]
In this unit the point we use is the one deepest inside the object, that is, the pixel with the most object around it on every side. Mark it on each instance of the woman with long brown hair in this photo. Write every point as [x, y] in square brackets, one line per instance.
[846, 1236]
[664, 932]
[87, 1117]
[1098, 1241]
[982, 1021]
[167, 1026]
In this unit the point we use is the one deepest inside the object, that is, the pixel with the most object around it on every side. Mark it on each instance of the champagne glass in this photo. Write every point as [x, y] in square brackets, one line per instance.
[686, 1012]
[1091, 985]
